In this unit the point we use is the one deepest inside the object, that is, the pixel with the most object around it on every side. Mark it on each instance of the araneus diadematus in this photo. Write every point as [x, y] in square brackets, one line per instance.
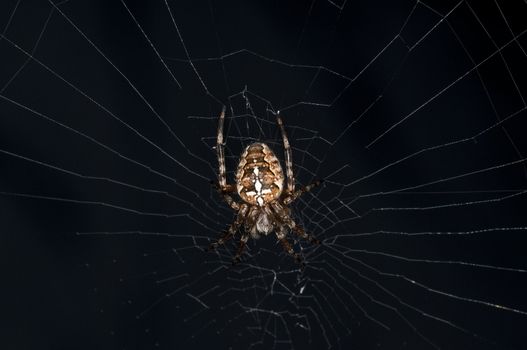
[259, 183]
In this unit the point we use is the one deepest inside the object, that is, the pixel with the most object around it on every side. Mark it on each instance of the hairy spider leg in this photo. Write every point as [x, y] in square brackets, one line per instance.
[305, 189]
[288, 248]
[223, 188]
[283, 215]
[220, 151]
[241, 247]
[225, 194]
[300, 232]
[288, 156]
[231, 231]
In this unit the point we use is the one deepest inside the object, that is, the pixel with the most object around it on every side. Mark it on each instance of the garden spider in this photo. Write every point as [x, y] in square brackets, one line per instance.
[259, 183]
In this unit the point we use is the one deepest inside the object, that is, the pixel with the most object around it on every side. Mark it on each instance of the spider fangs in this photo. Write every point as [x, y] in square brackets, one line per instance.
[260, 185]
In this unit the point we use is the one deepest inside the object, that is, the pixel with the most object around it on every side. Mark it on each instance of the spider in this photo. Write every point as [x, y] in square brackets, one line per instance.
[264, 201]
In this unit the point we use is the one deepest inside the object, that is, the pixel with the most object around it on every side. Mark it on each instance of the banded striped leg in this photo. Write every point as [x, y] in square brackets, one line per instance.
[226, 196]
[287, 246]
[223, 188]
[241, 247]
[300, 232]
[232, 229]
[288, 156]
[305, 189]
[220, 151]
[284, 217]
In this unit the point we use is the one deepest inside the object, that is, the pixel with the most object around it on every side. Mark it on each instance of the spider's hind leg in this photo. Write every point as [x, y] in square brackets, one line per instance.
[300, 232]
[228, 234]
[289, 222]
[281, 235]
[241, 248]
[233, 228]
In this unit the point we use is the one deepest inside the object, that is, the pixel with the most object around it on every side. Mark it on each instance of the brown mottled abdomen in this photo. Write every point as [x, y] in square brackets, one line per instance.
[259, 177]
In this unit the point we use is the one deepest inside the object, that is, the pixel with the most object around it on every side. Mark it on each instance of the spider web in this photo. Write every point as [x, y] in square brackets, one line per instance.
[413, 114]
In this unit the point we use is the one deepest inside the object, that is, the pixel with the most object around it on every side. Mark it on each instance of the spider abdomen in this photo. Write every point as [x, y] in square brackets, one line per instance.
[259, 176]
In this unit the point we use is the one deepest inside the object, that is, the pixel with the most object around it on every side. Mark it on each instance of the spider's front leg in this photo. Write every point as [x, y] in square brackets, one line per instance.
[288, 155]
[232, 228]
[225, 193]
[222, 187]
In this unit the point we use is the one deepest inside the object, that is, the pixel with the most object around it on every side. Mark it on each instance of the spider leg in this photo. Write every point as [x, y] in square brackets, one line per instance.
[220, 151]
[305, 189]
[241, 248]
[282, 215]
[281, 235]
[222, 187]
[226, 196]
[300, 232]
[232, 228]
[288, 156]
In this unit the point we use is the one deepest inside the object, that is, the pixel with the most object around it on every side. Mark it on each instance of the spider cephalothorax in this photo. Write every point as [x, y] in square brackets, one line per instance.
[260, 185]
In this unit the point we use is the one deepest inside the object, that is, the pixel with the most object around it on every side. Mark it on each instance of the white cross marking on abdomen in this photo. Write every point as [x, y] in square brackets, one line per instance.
[258, 186]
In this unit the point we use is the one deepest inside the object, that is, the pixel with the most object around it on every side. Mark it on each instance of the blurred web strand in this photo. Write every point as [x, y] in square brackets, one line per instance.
[107, 111]
[440, 92]
[151, 44]
[107, 148]
[105, 179]
[446, 233]
[430, 289]
[150, 107]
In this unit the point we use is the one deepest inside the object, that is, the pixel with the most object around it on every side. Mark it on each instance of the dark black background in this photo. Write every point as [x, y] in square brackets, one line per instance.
[61, 290]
